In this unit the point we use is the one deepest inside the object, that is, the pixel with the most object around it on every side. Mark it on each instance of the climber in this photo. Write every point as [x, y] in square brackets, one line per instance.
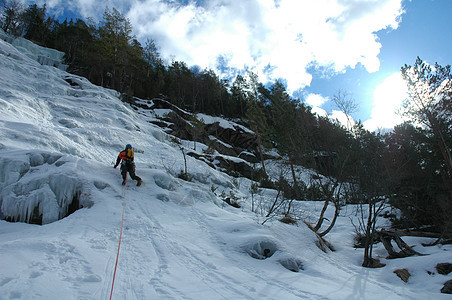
[127, 165]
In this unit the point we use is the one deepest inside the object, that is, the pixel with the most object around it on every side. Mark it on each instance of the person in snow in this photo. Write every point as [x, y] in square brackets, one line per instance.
[127, 165]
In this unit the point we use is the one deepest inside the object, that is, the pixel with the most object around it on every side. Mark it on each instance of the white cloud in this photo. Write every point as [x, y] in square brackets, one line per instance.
[319, 111]
[315, 100]
[342, 118]
[275, 39]
[256, 34]
[387, 99]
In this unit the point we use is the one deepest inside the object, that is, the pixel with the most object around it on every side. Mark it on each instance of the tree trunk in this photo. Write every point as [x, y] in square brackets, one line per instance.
[272, 208]
[322, 213]
[368, 260]
[261, 153]
[295, 182]
[336, 214]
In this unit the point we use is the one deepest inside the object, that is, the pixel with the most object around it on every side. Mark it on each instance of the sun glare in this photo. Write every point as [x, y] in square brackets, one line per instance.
[387, 99]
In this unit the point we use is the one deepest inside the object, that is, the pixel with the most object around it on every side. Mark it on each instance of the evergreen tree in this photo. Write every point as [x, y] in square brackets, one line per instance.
[258, 123]
[151, 56]
[179, 83]
[290, 140]
[35, 25]
[239, 94]
[114, 37]
[74, 39]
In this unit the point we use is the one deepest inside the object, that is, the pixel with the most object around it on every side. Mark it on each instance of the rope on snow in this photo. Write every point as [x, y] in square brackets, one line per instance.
[120, 236]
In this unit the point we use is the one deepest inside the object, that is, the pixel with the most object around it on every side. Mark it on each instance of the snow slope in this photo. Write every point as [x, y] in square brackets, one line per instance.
[60, 135]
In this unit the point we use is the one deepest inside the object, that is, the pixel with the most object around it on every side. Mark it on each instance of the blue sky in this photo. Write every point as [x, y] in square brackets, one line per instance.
[317, 47]
[424, 31]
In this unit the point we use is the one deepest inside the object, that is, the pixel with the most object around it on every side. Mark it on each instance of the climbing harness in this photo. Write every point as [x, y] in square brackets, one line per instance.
[120, 236]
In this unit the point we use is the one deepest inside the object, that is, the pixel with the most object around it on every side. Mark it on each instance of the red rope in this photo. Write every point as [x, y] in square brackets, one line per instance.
[120, 236]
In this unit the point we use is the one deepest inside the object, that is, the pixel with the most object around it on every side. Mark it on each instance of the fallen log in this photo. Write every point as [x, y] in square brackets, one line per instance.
[407, 232]
[387, 236]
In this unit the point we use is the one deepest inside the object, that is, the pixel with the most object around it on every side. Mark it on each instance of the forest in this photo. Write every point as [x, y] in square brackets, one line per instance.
[409, 167]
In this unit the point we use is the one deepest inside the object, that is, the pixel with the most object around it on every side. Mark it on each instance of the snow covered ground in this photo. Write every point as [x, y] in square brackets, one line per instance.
[180, 241]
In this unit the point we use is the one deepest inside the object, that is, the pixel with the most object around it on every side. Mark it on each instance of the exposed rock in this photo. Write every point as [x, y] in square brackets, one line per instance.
[403, 274]
[447, 288]
[248, 156]
[179, 126]
[163, 104]
[288, 220]
[237, 145]
[444, 268]
[221, 147]
[234, 167]
[232, 202]
[237, 137]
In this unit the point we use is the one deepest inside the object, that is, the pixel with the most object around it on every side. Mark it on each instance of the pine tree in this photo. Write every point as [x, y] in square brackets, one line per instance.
[258, 123]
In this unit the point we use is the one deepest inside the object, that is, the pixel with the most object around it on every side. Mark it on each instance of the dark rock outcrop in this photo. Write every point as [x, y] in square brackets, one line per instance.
[447, 288]
[232, 149]
[237, 137]
[444, 268]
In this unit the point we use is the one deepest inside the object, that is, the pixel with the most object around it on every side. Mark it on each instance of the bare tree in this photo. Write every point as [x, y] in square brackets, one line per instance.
[369, 186]
[331, 185]
[346, 104]
[196, 126]
[331, 190]
[10, 17]
[429, 101]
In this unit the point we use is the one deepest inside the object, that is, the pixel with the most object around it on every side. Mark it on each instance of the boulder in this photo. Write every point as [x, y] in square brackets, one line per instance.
[403, 274]
[447, 288]
[444, 268]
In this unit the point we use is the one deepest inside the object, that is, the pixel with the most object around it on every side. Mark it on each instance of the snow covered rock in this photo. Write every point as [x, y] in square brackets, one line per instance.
[226, 137]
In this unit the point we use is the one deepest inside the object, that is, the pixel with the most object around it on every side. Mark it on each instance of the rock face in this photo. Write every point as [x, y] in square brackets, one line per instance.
[235, 138]
[232, 148]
